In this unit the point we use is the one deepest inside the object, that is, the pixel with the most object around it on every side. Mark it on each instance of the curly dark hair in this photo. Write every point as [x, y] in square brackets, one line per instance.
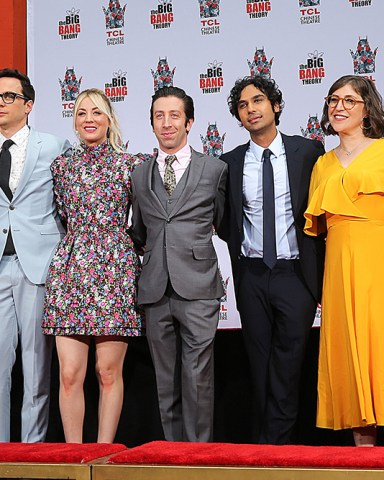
[26, 86]
[373, 122]
[265, 85]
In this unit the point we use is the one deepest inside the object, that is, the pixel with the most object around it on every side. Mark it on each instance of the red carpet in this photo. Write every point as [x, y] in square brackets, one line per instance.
[56, 452]
[174, 453]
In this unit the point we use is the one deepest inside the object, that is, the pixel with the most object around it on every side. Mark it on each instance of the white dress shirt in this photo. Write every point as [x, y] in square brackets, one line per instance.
[18, 153]
[286, 241]
[180, 165]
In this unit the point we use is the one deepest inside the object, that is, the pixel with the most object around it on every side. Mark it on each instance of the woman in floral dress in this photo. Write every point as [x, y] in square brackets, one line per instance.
[92, 279]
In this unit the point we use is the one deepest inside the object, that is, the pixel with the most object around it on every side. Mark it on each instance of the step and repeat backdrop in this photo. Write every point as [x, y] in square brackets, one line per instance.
[132, 47]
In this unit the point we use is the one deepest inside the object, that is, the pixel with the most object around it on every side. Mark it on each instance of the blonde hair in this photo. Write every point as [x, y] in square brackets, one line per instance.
[103, 103]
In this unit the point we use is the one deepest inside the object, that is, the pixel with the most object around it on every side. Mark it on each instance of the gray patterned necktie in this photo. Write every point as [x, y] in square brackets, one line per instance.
[169, 174]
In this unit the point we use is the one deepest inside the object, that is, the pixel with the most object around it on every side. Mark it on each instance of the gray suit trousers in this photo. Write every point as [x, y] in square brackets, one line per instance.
[181, 337]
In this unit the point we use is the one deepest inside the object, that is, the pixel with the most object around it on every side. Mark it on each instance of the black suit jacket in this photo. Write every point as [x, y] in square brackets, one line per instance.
[301, 155]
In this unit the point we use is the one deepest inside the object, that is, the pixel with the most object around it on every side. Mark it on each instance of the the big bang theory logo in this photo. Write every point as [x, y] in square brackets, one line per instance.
[360, 3]
[69, 28]
[209, 16]
[116, 90]
[70, 89]
[364, 59]
[309, 11]
[212, 80]
[312, 71]
[162, 17]
[114, 22]
[258, 8]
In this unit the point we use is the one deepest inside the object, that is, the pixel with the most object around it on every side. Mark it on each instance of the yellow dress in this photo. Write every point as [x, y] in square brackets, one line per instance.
[348, 205]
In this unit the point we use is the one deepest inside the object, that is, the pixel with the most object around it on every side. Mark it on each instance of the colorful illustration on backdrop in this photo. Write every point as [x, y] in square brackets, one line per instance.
[309, 3]
[209, 8]
[364, 59]
[213, 142]
[114, 15]
[260, 65]
[70, 86]
[313, 130]
[163, 76]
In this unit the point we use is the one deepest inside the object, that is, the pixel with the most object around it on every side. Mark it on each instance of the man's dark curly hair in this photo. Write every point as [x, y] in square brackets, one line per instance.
[267, 86]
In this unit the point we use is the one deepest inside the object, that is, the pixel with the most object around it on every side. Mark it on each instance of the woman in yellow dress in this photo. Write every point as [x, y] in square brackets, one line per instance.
[346, 205]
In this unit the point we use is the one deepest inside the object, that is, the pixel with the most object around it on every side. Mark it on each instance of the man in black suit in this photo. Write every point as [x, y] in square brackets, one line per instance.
[277, 270]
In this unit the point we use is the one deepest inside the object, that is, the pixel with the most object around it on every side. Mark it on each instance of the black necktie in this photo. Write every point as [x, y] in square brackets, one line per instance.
[5, 168]
[269, 230]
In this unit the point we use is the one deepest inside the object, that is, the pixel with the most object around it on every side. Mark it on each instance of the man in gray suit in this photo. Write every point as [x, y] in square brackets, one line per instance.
[29, 232]
[177, 199]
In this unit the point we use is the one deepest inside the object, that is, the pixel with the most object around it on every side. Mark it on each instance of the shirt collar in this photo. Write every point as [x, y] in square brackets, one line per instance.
[19, 138]
[183, 156]
[276, 147]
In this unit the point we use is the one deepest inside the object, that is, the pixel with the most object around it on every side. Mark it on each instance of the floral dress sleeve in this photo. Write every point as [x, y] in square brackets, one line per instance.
[58, 169]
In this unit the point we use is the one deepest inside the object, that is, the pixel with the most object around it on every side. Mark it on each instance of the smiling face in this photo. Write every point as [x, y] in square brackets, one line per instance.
[346, 121]
[257, 114]
[91, 123]
[170, 124]
[13, 116]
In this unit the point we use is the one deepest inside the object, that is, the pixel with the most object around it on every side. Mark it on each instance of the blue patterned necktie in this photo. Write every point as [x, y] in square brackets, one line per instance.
[169, 174]
[269, 228]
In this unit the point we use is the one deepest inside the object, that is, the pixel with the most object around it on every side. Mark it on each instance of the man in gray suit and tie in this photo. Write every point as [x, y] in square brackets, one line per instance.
[29, 232]
[178, 197]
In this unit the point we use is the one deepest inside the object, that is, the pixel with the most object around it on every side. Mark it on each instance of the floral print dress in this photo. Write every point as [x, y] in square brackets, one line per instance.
[92, 279]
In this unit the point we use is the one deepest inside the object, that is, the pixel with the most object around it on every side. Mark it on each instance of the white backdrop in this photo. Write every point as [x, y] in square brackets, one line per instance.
[305, 45]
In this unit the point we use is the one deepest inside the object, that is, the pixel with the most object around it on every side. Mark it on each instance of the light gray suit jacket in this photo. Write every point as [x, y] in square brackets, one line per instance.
[31, 215]
[179, 244]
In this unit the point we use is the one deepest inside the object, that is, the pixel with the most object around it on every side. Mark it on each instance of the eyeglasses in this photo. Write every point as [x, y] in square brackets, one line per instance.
[348, 101]
[10, 97]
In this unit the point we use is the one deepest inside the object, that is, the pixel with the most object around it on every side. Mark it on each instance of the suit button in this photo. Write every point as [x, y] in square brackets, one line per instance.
[11, 207]
[5, 230]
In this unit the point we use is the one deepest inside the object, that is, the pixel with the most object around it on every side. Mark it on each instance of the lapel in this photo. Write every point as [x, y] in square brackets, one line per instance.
[196, 167]
[4, 197]
[33, 151]
[153, 197]
[236, 182]
[294, 166]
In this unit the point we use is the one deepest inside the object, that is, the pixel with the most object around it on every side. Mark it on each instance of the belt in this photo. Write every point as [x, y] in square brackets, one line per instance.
[281, 264]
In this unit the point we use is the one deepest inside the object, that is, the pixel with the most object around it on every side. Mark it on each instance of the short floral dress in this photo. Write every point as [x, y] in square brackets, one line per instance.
[92, 279]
